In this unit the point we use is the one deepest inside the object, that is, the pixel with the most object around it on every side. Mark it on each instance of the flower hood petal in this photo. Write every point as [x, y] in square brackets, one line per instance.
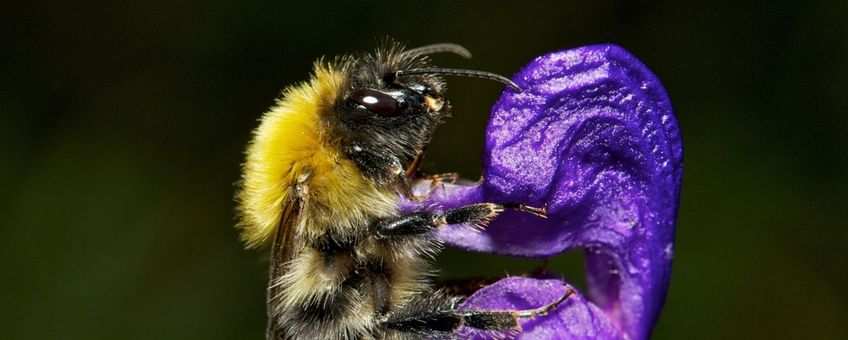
[594, 140]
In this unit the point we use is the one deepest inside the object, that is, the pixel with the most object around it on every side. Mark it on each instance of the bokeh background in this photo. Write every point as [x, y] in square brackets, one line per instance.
[122, 127]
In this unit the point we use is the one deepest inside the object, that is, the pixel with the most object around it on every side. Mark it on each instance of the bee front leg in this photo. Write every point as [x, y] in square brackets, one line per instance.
[379, 167]
[436, 181]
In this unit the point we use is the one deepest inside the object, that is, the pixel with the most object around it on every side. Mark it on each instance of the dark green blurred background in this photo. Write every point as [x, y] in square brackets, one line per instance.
[122, 127]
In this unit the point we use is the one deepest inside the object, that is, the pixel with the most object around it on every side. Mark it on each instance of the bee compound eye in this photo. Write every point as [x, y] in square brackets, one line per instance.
[375, 101]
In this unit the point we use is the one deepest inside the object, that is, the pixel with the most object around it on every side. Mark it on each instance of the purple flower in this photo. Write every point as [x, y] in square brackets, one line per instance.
[592, 138]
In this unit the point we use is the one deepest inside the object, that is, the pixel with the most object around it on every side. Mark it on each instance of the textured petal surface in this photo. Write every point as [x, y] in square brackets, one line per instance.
[594, 139]
[575, 318]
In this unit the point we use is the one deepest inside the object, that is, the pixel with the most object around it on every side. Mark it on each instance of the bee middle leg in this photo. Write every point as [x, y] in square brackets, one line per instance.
[421, 222]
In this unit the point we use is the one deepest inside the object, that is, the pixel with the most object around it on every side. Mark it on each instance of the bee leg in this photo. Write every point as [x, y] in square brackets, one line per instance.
[424, 221]
[449, 321]
[436, 181]
[495, 320]
[430, 323]
[415, 318]
[377, 166]
[412, 170]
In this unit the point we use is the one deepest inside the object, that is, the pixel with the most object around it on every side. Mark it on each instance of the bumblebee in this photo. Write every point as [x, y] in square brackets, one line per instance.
[321, 185]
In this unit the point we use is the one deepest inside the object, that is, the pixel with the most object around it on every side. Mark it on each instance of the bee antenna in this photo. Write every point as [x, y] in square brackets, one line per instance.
[440, 48]
[462, 73]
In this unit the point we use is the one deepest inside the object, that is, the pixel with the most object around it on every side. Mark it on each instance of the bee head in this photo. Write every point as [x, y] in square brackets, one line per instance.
[392, 103]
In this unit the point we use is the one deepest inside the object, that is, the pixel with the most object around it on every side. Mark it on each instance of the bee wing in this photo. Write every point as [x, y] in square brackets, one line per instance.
[282, 252]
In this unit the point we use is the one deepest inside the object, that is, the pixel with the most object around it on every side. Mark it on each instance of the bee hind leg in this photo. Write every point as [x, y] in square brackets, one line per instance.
[419, 317]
